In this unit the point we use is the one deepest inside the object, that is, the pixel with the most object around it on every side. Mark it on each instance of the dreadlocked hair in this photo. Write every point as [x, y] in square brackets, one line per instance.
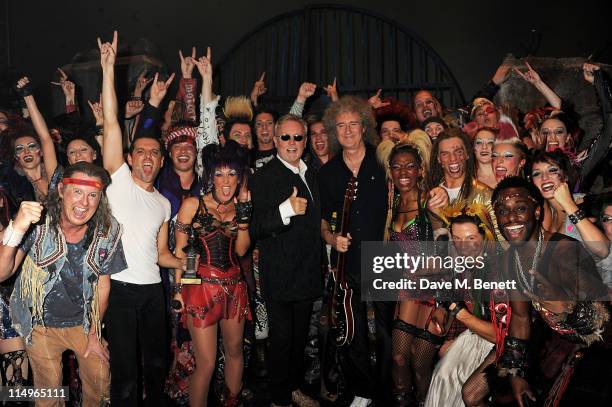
[101, 220]
[436, 173]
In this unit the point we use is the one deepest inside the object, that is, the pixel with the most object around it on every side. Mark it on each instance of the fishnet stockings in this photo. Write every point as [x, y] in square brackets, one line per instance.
[475, 390]
[12, 368]
[421, 359]
[401, 346]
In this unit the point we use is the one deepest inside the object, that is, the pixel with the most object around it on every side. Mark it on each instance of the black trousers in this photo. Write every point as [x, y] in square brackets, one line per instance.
[288, 323]
[136, 320]
[361, 377]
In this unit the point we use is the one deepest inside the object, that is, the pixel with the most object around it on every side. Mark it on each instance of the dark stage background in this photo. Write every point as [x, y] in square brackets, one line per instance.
[471, 37]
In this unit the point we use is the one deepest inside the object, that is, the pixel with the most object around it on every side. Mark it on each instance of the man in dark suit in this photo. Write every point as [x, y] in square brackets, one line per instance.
[286, 224]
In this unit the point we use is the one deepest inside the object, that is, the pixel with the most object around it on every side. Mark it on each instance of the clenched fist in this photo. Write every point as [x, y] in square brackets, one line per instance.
[29, 213]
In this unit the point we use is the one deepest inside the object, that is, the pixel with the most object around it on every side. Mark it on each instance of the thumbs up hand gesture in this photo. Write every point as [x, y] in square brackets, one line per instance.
[298, 204]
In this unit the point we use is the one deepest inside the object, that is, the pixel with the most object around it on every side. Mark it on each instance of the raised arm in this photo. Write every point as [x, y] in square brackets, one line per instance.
[112, 153]
[207, 130]
[69, 91]
[98, 113]
[10, 256]
[593, 238]
[40, 126]
[533, 77]
[306, 90]
[259, 88]
[332, 91]
[187, 85]
[204, 64]
[151, 116]
[244, 211]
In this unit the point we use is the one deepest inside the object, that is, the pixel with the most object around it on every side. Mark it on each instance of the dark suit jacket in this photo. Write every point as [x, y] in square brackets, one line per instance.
[289, 255]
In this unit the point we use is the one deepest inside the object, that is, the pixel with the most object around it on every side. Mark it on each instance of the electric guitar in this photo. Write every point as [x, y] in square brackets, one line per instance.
[341, 310]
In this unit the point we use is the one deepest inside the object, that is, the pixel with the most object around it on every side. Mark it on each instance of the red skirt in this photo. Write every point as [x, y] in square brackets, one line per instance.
[222, 295]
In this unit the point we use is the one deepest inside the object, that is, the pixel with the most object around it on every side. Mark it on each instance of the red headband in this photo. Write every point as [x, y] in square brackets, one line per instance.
[79, 181]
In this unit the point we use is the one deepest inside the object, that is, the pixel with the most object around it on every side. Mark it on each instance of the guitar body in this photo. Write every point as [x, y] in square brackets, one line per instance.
[342, 321]
[341, 309]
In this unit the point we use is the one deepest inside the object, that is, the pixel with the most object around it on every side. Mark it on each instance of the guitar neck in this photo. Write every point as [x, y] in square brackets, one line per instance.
[344, 226]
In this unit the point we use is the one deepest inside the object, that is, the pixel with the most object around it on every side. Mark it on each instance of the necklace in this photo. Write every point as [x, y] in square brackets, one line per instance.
[222, 207]
[528, 284]
[354, 168]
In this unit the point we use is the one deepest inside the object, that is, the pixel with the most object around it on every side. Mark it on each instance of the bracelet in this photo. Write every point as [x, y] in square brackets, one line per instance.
[177, 288]
[182, 227]
[243, 211]
[99, 130]
[11, 237]
[136, 98]
[577, 216]
[243, 227]
[514, 360]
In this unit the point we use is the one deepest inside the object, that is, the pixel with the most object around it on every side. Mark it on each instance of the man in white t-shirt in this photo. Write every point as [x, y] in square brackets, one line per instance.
[136, 316]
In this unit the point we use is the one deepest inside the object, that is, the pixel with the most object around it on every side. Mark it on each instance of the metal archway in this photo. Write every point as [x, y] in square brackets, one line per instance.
[364, 50]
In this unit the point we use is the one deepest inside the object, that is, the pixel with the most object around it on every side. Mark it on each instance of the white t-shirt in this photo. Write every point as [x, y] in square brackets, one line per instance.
[141, 213]
[453, 193]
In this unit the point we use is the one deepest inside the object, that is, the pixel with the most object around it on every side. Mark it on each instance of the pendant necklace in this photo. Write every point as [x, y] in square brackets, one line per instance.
[222, 207]
[523, 278]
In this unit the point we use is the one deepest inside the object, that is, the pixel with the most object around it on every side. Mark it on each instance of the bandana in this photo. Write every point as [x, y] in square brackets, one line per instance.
[180, 135]
[85, 182]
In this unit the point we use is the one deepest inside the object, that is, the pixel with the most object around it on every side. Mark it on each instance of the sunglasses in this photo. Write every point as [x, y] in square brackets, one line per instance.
[287, 137]
[30, 146]
[606, 219]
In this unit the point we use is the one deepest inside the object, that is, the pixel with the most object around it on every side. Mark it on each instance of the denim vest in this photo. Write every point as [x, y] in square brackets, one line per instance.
[42, 266]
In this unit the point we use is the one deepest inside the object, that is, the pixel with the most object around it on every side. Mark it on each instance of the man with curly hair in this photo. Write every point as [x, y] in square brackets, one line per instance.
[352, 135]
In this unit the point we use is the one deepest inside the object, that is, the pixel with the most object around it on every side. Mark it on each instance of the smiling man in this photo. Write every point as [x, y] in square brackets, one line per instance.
[136, 314]
[286, 224]
[454, 170]
[179, 180]
[556, 276]
[426, 105]
[62, 291]
[351, 129]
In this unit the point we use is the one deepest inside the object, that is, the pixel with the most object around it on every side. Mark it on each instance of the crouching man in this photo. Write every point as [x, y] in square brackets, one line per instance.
[62, 291]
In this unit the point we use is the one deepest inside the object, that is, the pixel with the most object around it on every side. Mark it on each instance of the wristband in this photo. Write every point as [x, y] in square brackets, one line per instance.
[177, 288]
[243, 211]
[577, 216]
[514, 360]
[99, 130]
[11, 237]
[25, 90]
[459, 305]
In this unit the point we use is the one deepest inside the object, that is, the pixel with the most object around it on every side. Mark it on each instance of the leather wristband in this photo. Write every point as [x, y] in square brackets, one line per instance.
[25, 90]
[577, 216]
[243, 211]
[459, 305]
